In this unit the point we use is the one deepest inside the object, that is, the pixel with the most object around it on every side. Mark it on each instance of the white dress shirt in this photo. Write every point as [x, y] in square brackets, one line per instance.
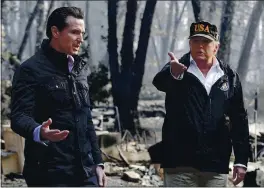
[212, 76]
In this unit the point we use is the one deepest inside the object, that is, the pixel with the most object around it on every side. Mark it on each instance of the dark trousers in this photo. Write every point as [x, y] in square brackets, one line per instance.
[35, 178]
[90, 182]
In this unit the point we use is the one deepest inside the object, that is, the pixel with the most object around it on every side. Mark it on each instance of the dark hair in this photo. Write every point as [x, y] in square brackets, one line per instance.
[58, 18]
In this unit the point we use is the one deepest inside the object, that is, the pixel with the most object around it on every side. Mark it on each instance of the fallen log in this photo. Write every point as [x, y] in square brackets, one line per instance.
[122, 155]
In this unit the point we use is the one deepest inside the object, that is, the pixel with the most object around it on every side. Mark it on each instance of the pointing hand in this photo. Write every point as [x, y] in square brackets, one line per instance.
[177, 68]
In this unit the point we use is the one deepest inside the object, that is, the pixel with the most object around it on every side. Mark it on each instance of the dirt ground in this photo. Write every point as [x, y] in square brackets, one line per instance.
[113, 181]
[154, 124]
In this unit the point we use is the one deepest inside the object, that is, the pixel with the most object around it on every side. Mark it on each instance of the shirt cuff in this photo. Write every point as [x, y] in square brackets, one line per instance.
[240, 165]
[36, 136]
[178, 77]
[101, 165]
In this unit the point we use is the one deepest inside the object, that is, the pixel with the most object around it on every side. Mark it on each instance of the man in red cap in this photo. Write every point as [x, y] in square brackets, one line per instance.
[202, 95]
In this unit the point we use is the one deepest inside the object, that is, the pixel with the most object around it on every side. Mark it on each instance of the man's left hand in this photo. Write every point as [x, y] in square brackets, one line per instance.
[100, 176]
[238, 174]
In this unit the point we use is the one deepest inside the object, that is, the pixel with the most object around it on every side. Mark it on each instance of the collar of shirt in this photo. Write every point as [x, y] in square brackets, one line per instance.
[212, 76]
[70, 62]
[215, 63]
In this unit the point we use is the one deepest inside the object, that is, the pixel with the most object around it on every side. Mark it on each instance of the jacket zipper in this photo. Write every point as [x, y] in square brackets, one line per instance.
[210, 107]
[198, 81]
[219, 79]
[209, 96]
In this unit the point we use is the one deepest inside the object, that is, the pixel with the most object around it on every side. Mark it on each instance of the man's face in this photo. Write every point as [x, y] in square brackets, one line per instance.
[203, 48]
[70, 38]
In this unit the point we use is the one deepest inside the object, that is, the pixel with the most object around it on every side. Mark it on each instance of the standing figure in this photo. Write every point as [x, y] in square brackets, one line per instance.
[51, 109]
[202, 95]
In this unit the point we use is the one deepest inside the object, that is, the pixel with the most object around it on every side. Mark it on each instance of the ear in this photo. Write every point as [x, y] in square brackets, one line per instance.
[55, 32]
[217, 45]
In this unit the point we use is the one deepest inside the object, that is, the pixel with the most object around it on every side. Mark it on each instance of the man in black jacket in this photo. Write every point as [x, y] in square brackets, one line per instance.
[51, 109]
[202, 94]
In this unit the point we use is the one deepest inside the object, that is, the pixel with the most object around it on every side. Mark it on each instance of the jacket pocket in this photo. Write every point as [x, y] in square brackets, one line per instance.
[58, 92]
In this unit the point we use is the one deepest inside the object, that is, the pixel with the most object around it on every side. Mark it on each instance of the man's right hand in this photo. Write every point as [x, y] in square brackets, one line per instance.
[53, 135]
[177, 68]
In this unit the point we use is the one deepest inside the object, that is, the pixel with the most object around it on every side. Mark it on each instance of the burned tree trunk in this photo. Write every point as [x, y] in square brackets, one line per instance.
[112, 49]
[226, 31]
[196, 4]
[138, 68]
[126, 83]
[127, 59]
[118, 20]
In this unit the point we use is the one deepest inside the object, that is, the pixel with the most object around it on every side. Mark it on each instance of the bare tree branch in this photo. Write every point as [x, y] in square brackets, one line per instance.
[174, 38]
[51, 5]
[27, 30]
[212, 9]
[166, 37]
[40, 26]
[159, 21]
[155, 51]
[243, 62]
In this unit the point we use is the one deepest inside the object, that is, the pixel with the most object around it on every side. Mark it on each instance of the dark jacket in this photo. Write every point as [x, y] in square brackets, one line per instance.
[44, 88]
[195, 132]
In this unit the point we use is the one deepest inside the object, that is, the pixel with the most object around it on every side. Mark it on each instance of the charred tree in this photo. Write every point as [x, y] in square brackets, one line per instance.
[226, 31]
